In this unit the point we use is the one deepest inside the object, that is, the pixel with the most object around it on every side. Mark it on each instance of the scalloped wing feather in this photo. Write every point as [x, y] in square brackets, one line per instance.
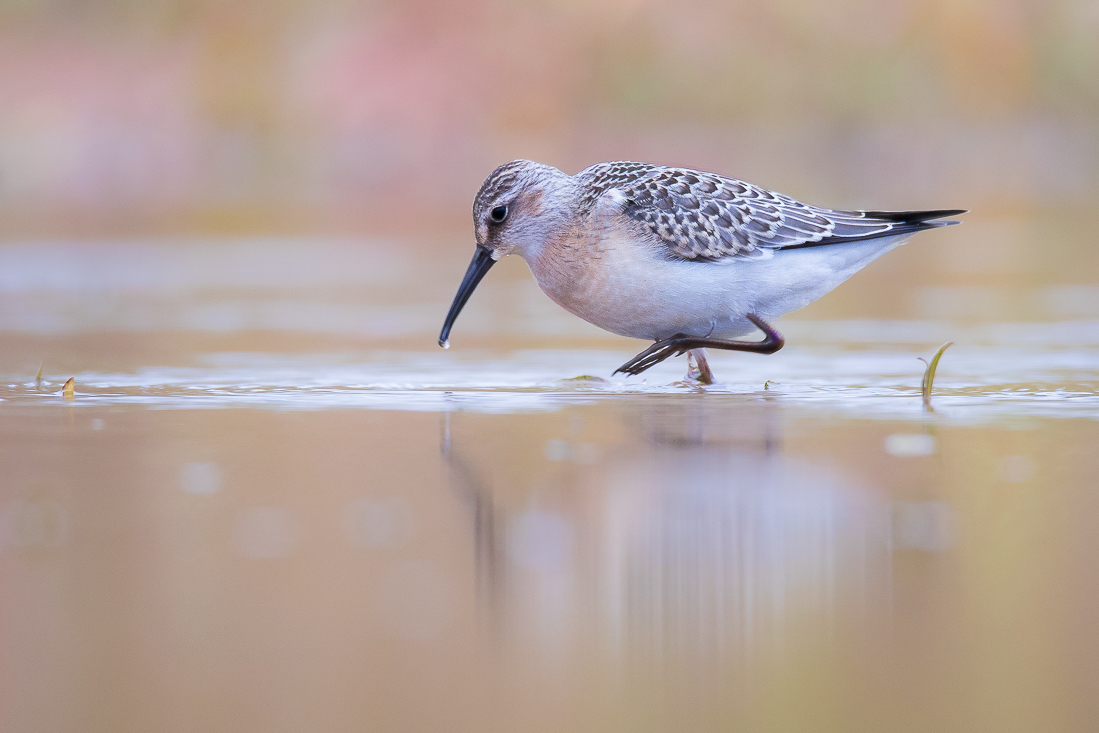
[706, 217]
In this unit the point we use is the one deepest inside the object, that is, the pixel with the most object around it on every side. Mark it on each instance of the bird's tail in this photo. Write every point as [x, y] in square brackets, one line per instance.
[905, 222]
[855, 226]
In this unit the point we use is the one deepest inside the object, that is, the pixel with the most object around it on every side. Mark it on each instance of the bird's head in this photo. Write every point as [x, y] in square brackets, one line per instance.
[517, 207]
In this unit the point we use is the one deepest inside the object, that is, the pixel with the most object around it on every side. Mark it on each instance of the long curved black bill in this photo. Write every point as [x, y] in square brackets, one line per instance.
[482, 261]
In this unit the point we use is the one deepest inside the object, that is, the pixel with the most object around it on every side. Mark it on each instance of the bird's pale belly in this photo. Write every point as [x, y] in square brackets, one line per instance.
[647, 299]
[626, 291]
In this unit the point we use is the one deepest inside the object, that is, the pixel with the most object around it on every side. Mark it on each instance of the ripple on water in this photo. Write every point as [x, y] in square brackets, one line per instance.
[973, 383]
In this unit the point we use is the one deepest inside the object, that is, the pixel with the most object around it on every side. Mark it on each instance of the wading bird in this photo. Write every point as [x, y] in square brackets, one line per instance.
[687, 259]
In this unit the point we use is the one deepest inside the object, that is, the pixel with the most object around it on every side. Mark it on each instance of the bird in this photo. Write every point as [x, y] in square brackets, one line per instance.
[686, 259]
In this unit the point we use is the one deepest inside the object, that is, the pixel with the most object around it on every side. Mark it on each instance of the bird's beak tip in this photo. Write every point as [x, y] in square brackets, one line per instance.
[482, 261]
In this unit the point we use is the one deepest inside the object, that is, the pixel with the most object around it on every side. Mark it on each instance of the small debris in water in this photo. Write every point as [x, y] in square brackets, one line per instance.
[768, 383]
[589, 378]
[69, 390]
[38, 377]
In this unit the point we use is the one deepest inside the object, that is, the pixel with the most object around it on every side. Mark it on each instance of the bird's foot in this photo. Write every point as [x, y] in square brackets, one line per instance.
[698, 369]
[655, 354]
[681, 343]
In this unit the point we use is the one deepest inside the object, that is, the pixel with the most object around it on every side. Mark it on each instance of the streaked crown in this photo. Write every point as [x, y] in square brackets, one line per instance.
[518, 202]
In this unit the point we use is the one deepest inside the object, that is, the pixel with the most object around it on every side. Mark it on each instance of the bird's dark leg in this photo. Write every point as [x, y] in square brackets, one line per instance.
[680, 343]
[698, 369]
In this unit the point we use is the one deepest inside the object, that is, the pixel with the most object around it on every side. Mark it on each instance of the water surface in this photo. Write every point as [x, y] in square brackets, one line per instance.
[274, 504]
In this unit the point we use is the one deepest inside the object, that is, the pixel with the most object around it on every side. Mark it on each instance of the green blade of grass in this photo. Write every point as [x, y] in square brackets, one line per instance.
[929, 375]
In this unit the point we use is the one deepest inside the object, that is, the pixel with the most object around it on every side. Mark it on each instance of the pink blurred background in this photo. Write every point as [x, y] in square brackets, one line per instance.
[125, 117]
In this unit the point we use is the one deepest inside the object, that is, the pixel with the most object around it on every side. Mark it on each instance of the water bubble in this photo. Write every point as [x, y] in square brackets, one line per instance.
[556, 450]
[1017, 469]
[907, 445]
[369, 523]
[30, 523]
[415, 600]
[560, 450]
[923, 525]
[265, 533]
[539, 540]
[198, 478]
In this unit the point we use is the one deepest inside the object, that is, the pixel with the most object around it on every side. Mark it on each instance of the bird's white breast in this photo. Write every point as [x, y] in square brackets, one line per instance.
[624, 285]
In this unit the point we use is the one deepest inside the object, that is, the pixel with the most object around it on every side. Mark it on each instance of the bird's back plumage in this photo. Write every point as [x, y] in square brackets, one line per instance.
[705, 217]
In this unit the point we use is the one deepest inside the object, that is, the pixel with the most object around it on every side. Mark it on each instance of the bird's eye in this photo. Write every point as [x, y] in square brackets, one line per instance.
[499, 214]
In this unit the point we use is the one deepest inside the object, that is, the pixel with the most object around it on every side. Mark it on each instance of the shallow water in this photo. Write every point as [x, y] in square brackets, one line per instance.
[273, 504]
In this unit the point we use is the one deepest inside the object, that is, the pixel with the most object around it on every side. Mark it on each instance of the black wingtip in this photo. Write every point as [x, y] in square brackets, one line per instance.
[914, 217]
[901, 222]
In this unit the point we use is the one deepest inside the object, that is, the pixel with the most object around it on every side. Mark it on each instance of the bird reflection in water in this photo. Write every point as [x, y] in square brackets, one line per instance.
[692, 535]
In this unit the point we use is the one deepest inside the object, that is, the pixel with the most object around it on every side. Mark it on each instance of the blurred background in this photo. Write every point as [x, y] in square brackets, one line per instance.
[162, 118]
[282, 117]
[139, 120]
[273, 503]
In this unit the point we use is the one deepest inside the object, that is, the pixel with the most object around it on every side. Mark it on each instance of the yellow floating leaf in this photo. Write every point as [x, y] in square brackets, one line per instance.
[69, 390]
